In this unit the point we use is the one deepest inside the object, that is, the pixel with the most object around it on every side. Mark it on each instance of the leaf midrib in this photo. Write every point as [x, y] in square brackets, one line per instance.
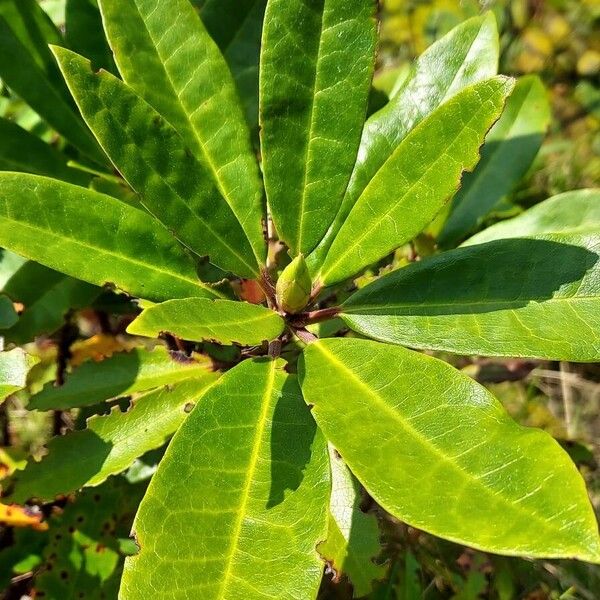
[254, 456]
[406, 426]
[210, 327]
[221, 187]
[76, 242]
[508, 305]
[368, 230]
[219, 239]
[307, 152]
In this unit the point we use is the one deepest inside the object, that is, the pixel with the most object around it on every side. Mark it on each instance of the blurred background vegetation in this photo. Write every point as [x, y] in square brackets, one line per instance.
[77, 551]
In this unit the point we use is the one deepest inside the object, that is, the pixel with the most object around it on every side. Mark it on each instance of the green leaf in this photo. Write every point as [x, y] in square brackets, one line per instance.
[448, 458]
[84, 33]
[466, 55]
[238, 503]
[109, 444]
[197, 319]
[153, 159]
[94, 237]
[166, 55]
[566, 213]
[469, 300]
[120, 375]
[14, 366]
[83, 557]
[509, 150]
[20, 71]
[8, 316]
[316, 67]
[353, 537]
[23, 151]
[416, 180]
[35, 30]
[47, 296]
[237, 27]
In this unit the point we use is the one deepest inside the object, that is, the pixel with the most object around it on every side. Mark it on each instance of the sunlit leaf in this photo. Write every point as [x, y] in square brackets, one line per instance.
[239, 500]
[447, 459]
[510, 147]
[469, 300]
[317, 61]
[93, 237]
[154, 160]
[353, 537]
[197, 319]
[165, 54]
[14, 367]
[417, 179]
[466, 55]
[567, 213]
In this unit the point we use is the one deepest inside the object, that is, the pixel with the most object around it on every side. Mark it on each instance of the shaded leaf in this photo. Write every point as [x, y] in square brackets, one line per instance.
[84, 553]
[109, 444]
[165, 54]
[566, 213]
[14, 367]
[470, 302]
[317, 62]
[8, 316]
[84, 33]
[448, 459]
[245, 483]
[416, 180]
[35, 30]
[23, 151]
[120, 375]
[236, 27]
[353, 537]
[466, 55]
[93, 237]
[197, 319]
[510, 148]
[46, 296]
[153, 159]
[24, 75]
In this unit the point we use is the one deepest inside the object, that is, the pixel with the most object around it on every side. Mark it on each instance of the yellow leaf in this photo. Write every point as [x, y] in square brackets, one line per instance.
[14, 515]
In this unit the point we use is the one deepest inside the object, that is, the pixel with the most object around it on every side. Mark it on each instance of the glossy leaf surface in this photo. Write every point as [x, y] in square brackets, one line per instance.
[353, 537]
[466, 55]
[236, 27]
[469, 300]
[23, 151]
[197, 319]
[93, 237]
[154, 160]
[509, 150]
[165, 54]
[449, 459]
[316, 66]
[109, 444]
[120, 375]
[416, 180]
[566, 213]
[239, 500]
[14, 366]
